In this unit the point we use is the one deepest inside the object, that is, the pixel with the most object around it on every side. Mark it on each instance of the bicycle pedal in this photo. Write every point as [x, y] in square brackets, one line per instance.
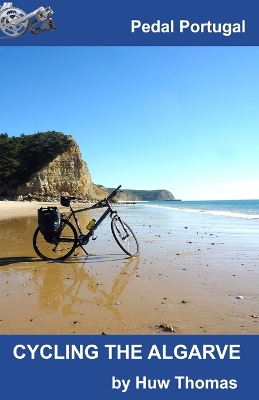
[82, 240]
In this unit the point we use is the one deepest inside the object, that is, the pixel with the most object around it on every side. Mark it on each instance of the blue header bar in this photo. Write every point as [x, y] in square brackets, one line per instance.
[134, 23]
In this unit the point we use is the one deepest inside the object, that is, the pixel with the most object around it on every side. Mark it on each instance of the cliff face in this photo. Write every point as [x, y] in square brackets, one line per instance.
[67, 174]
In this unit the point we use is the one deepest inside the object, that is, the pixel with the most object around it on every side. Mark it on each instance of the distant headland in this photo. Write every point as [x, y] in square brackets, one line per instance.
[143, 195]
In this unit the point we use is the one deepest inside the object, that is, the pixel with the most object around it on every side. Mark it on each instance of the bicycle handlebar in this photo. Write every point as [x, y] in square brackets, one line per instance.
[113, 193]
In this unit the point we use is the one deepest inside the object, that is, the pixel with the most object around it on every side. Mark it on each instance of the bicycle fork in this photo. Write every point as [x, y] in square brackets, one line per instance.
[126, 235]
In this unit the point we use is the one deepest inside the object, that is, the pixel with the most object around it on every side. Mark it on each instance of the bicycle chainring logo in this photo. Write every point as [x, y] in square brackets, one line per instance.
[14, 22]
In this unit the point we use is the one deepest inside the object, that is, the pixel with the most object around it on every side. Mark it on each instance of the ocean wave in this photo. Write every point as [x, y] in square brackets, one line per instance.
[219, 213]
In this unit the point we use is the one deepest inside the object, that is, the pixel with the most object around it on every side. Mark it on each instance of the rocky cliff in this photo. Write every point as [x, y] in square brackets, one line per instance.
[42, 166]
[67, 174]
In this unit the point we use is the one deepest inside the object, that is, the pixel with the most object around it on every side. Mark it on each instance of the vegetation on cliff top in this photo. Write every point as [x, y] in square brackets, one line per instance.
[22, 156]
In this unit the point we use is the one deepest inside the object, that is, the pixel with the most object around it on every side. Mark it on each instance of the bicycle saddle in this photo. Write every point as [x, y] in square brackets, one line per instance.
[65, 200]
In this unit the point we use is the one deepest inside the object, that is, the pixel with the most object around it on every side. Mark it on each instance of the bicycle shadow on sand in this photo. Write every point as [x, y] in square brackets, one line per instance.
[93, 258]
[5, 261]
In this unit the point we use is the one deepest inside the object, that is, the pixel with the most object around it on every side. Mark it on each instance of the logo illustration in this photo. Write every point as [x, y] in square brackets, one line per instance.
[14, 22]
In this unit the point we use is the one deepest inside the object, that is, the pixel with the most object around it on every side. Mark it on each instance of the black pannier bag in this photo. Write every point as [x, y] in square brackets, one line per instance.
[49, 220]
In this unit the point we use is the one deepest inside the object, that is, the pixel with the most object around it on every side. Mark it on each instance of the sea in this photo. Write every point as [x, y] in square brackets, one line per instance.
[244, 209]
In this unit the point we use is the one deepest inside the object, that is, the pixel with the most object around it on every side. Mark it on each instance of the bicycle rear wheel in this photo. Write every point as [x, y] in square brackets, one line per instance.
[124, 236]
[62, 245]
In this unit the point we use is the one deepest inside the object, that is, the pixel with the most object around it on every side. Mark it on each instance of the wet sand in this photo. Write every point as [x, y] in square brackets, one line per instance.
[188, 275]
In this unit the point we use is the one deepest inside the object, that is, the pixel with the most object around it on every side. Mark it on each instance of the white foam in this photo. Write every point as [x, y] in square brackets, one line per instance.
[219, 213]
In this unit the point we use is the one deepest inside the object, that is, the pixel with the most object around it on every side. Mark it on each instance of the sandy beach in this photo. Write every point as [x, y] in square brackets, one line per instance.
[196, 274]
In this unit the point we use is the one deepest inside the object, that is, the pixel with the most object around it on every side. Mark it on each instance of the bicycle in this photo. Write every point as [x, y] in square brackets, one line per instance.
[61, 245]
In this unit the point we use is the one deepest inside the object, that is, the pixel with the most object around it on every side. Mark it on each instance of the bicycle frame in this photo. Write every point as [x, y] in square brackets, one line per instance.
[83, 239]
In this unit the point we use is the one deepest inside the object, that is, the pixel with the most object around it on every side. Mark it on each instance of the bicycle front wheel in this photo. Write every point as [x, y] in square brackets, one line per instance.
[124, 236]
[60, 246]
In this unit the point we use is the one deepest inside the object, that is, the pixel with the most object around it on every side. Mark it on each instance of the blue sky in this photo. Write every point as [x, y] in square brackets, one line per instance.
[185, 119]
